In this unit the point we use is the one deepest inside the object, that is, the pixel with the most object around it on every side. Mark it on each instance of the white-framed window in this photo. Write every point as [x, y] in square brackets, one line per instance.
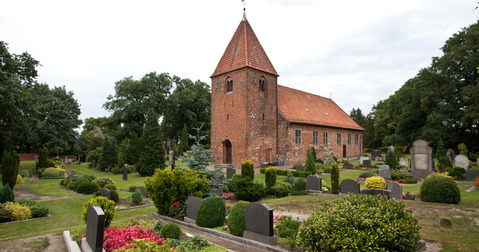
[349, 139]
[297, 138]
[325, 137]
[339, 138]
[315, 137]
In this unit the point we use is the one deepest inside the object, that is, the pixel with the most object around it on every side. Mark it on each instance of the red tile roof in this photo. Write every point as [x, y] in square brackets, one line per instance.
[244, 50]
[301, 107]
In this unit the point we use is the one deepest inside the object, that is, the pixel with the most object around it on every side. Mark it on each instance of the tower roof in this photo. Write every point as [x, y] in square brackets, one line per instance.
[244, 50]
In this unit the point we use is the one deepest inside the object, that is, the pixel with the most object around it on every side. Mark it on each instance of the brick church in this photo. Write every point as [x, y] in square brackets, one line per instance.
[254, 118]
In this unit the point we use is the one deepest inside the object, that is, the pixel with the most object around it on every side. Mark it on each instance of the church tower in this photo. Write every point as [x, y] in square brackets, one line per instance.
[244, 107]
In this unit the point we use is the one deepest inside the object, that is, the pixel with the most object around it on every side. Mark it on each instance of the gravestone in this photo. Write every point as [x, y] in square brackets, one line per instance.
[391, 147]
[230, 172]
[450, 155]
[396, 190]
[421, 159]
[367, 163]
[461, 161]
[300, 168]
[472, 174]
[259, 223]
[125, 173]
[93, 164]
[95, 227]
[385, 172]
[143, 191]
[192, 205]
[404, 162]
[73, 176]
[105, 193]
[349, 186]
[361, 159]
[313, 182]
[373, 156]
[109, 168]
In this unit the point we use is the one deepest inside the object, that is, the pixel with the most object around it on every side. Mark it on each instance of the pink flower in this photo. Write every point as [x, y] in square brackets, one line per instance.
[228, 208]
[175, 204]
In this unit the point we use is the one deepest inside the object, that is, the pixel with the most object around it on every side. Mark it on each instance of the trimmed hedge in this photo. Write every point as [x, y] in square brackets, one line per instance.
[236, 218]
[300, 174]
[440, 189]
[211, 212]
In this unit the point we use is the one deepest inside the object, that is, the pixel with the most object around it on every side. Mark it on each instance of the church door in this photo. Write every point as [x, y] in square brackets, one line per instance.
[227, 152]
[344, 151]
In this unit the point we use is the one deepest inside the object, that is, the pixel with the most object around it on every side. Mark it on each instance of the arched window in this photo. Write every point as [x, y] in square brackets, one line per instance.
[229, 85]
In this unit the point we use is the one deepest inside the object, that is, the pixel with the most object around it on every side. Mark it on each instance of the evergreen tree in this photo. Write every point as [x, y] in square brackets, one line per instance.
[152, 156]
[315, 157]
[10, 162]
[334, 178]
[42, 158]
[440, 150]
[391, 160]
[310, 162]
[200, 157]
[134, 148]
[183, 141]
[109, 155]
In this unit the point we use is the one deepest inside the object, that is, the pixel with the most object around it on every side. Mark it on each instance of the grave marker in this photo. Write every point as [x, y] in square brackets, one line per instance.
[361, 159]
[95, 228]
[125, 172]
[461, 161]
[421, 159]
[349, 186]
[367, 163]
[396, 190]
[313, 182]
[385, 172]
[404, 162]
[230, 172]
[105, 193]
[73, 176]
[300, 168]
[93, 164]
[143, 191]
[192, 205]
[259, 223]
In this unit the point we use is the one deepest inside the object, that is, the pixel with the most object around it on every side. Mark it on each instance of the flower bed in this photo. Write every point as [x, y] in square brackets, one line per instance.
[121, 238]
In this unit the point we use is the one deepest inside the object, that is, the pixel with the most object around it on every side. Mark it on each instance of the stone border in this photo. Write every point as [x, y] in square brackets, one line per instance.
[134, 207]
[224, 235]
[71, 245]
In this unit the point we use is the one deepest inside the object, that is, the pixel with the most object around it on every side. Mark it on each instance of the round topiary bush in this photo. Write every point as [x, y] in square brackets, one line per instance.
[360, 223]
[211, 213]
[80, 181]
[158, 225]
[375, 183]
[236, 218]
[299, 185]
[87, 187]
[171, 230]
[50, 173]
[247, 190]
[440, 189]
[105, 204]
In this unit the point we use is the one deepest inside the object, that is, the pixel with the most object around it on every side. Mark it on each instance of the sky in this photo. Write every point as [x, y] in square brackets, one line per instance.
[355, 52]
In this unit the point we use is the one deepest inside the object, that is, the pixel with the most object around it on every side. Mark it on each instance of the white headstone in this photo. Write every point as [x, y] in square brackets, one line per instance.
[421, 159]
[461, 161]
[362, 158]
[404, 161]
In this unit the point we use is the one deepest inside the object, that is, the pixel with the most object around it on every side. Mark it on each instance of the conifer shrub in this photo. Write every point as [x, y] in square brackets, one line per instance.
[87, 187]
[102, 182]
[270, 177]
[279, 190]
[105, 204]
[375, 183]
[409, 179]
[77, 183]
[19, 179]
[233, 181]
[360, 223]
[236, 218]
[50, 173]
[247, 169]
[334, 178]
[42, 158]
[9, 168]
[310, 166]
[444, 164]
[391, 160]
[136, 197]
[171, 230]
[158, 225]
[289, 178]
[248, 190]
[17, 211]
[6, 194]
[36, 210]
[440, 189]
[299, 185]
[211, 212]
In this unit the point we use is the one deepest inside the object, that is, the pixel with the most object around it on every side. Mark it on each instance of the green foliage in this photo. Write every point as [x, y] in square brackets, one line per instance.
[410, 180]
[360, 223]
[136, 197]
[42, 158]
[444, 164]
[195, 243]
[152, 156]
[158, 225]
[247, 190]
[233, 182]
[50, 173]
[440, 150]
[375, 182]
[9, 168]
[270, 177]
[299, 185]
[95, 155]
[36, 210]
[115, 170]
[211, 212]
[102, 182]
[391, 160]
[329, 162]
[366, 175]
[24, 173]
[289, 178]
[457, 172]
[105, 204]
[335, 178]
[310, 166]
[462, 147]
[199, 157]
[87, 187]
[171, 230]
[236, 221]
[287, 227]
[17, 211]
[183, 146]
[279, 190]
[109, 155]
[440, 189]
[135, 147]
[167, 187]
[247, 169]
[6, 194]
[5, 215]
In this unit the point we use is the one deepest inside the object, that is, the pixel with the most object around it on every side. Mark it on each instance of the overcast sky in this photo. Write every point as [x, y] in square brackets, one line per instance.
[357, 52]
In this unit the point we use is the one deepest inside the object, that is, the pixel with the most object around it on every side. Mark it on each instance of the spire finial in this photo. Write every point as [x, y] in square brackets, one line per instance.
[244, 9]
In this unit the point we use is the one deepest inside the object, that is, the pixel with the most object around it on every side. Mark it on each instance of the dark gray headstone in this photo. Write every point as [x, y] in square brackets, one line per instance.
[192, 206]
[109, 168]
[349, 186]
[367, 163]
[93, 164]
[143, 191]
[73, 176]
[472, 174]
[258, 222]
[396, 190]
[105, 193]
[125, 173]
[313, 182]
[230, 172]
[95, 227]
[300, 168]
[385, 172]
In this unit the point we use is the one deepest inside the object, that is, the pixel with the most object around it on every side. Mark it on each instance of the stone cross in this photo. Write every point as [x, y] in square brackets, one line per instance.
[462, 150]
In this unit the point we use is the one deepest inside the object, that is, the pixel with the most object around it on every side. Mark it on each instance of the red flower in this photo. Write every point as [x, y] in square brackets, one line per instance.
[175, 204]
[228, 208]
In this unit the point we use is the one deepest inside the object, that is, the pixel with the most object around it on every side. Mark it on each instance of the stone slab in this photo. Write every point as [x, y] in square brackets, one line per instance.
[258, 237]
[461, 161]
[95, 227]
[300, 168]
[259, 219]
[230, 172]
[192, 206]
[349, 186]
[385, 172]
[396, 190]
[313, 183]
[143, 191]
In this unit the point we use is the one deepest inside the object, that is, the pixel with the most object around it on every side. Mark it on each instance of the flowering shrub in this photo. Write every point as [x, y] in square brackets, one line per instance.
[360, 179]
[375, 183]
[400, 181]
[115, 238]
[19, 179]
[476, 183]
[18, 212]
[177, 210]
[227, 196]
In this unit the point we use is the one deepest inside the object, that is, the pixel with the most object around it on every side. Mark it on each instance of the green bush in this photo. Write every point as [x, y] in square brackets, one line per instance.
[9, 168]
[287, 227]
[279, 190]
[24, 173]
[42, 158]
[6, 194]
[457, 172]
[410, 180]
[102, 182]
[5, 215]
[89, 177]
[110, 187]
[247, 190]
[158, 225]
[440, 189]
[236, 218]
[270, 177]
[360, 223]
[87, 187]
[329, 162]
[115, 170]
[299, 185]
[113, 193]
[319, 168]
[327, 169]
[171, 230]
[17, 211]
[444, 164]
[195, 243]
[211, 212]
[105, 204]
[36, 210]
[136, 197]
[167, 187]
[50, 173]
[309, 166]
[77, 183]
[289, 178]
[335, 178]
[391, 160]
[367, 175]
[233, 181]
[247, 169]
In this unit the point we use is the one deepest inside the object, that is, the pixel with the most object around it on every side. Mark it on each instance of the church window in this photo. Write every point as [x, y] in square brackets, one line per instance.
[325, 137]
[227, 117]
[339, 138]
[262, 85]
[263, 117]
[298, 137]
[349, 139]
[356, 139]
[315, 137]
[229, 85]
